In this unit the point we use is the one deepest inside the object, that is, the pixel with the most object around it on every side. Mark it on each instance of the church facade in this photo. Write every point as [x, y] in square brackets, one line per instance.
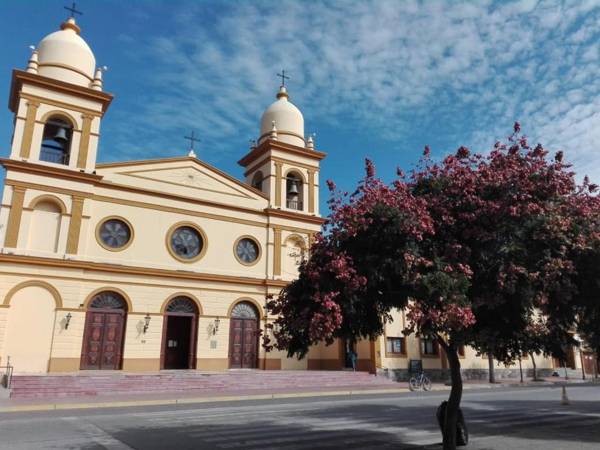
[156, 264]
[141, 265]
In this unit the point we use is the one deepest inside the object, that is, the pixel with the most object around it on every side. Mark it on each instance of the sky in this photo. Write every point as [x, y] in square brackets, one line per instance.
[377, 79]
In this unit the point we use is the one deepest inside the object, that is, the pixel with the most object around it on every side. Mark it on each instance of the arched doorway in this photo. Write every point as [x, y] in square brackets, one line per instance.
[243, 337]
[180, 326]
[104, 332]
[30, 326]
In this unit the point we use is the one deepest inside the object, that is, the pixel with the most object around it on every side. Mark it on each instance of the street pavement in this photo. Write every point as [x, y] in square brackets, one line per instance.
[529, 418]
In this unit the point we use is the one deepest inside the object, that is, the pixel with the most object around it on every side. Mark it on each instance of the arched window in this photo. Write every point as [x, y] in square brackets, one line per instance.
[295, 253]
[182, 304]
[244, 310]
[56, 141]
[108, 300]
[257, 180]
[294, 191]
[44, 228]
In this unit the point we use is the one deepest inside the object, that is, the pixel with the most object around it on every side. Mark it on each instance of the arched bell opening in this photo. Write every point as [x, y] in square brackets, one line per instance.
[180, 331]
[257, 180]
[56, 141]
[104, 333]
[294, 191]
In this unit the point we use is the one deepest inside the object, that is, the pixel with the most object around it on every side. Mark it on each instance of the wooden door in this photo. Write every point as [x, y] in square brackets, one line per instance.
[243, 343]
[102, 340]
[588, 363]
[250, 347]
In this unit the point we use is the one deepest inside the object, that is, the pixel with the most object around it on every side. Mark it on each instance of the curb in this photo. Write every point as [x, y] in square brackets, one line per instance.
[192, 400]
[238, 398]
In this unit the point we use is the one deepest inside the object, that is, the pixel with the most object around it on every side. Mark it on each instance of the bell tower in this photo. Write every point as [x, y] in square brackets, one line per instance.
[58, 103]
[283, 164]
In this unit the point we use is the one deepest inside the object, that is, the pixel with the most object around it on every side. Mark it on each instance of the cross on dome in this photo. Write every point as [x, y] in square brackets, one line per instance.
[283, 77]
[73, 10]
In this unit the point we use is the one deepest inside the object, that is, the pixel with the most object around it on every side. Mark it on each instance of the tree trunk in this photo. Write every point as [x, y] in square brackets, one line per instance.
[491, 368]
[520, 369]
[535, 377]
[455, 395]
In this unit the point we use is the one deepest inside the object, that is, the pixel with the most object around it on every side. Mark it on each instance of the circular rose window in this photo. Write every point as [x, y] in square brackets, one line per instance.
[247, 251]
[114, 234]
[186, 243]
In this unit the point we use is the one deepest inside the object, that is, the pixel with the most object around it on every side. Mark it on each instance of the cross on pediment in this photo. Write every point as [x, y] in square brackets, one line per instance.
[193, 139]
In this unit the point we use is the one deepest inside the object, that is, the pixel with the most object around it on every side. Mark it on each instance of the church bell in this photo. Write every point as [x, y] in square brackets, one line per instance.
[293, 188]
[61, 135]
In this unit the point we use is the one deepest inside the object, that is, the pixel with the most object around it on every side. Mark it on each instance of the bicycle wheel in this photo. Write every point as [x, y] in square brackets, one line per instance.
[413, 384]
[426, 383]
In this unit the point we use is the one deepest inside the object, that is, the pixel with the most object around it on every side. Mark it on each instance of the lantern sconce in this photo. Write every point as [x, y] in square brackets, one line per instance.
[216, 324]
[67, 320]
[146, 322]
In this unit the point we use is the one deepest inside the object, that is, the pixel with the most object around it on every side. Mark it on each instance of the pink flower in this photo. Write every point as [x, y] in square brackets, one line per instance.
[517, 127]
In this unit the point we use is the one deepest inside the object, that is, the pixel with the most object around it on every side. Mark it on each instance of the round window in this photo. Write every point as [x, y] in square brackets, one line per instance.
[114, 233]
[247, 250]
[186, 243]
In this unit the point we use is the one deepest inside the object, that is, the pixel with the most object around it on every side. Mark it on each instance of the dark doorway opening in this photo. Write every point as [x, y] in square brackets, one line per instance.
[349, 347]
[177, 342]
[179, 334]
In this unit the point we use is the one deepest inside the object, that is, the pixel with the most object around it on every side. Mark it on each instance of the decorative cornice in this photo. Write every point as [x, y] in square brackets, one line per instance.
[270, 144]
[273, 212]
[136, 270]
[289, 162]
[50, 171]
[19, 77]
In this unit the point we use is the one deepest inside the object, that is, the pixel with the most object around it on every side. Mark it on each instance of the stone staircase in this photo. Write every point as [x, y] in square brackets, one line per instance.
[191, 383]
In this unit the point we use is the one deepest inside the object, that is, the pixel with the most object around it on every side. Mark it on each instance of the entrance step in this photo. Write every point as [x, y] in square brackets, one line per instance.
[98, 384]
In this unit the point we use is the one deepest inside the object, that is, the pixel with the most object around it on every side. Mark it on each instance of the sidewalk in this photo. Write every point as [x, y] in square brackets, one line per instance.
[30, 405]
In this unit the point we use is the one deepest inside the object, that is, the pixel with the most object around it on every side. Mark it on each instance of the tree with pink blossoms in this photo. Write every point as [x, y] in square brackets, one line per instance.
[475, 248]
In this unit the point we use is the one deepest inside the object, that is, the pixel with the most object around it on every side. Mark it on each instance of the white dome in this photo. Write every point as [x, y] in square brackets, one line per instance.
[288, 121]
[65, 56]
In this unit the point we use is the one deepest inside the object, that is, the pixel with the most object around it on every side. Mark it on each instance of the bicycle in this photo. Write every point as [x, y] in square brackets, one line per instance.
[421, 381]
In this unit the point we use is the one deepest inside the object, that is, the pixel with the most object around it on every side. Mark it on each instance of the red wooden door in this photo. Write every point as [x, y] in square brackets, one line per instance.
[249, 353]
[243, 344]
[588, 363]
[102, 340]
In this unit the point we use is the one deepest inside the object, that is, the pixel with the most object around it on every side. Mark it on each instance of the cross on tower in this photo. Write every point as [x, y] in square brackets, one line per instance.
[193, 139]
[283, 77]
[73, 10]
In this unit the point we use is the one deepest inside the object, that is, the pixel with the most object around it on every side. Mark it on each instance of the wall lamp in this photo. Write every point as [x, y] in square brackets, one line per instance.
[216, 324]
[146, 322]
[67, 320]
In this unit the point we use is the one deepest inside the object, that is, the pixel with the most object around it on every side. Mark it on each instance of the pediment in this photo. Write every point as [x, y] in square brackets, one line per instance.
[188, 177]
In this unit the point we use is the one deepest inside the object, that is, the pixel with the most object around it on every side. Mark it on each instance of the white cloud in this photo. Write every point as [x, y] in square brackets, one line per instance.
[384, 66]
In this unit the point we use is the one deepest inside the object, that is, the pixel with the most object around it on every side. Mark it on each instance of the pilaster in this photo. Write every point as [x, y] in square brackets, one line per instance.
[14, 217]
[75, 225]
[32, 107]
[84, 141]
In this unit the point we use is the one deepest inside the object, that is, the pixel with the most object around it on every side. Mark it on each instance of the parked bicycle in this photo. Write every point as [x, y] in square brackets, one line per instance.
[418, 382]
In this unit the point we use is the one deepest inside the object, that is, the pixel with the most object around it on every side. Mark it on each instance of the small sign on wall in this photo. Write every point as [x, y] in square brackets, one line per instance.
[213, 344]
